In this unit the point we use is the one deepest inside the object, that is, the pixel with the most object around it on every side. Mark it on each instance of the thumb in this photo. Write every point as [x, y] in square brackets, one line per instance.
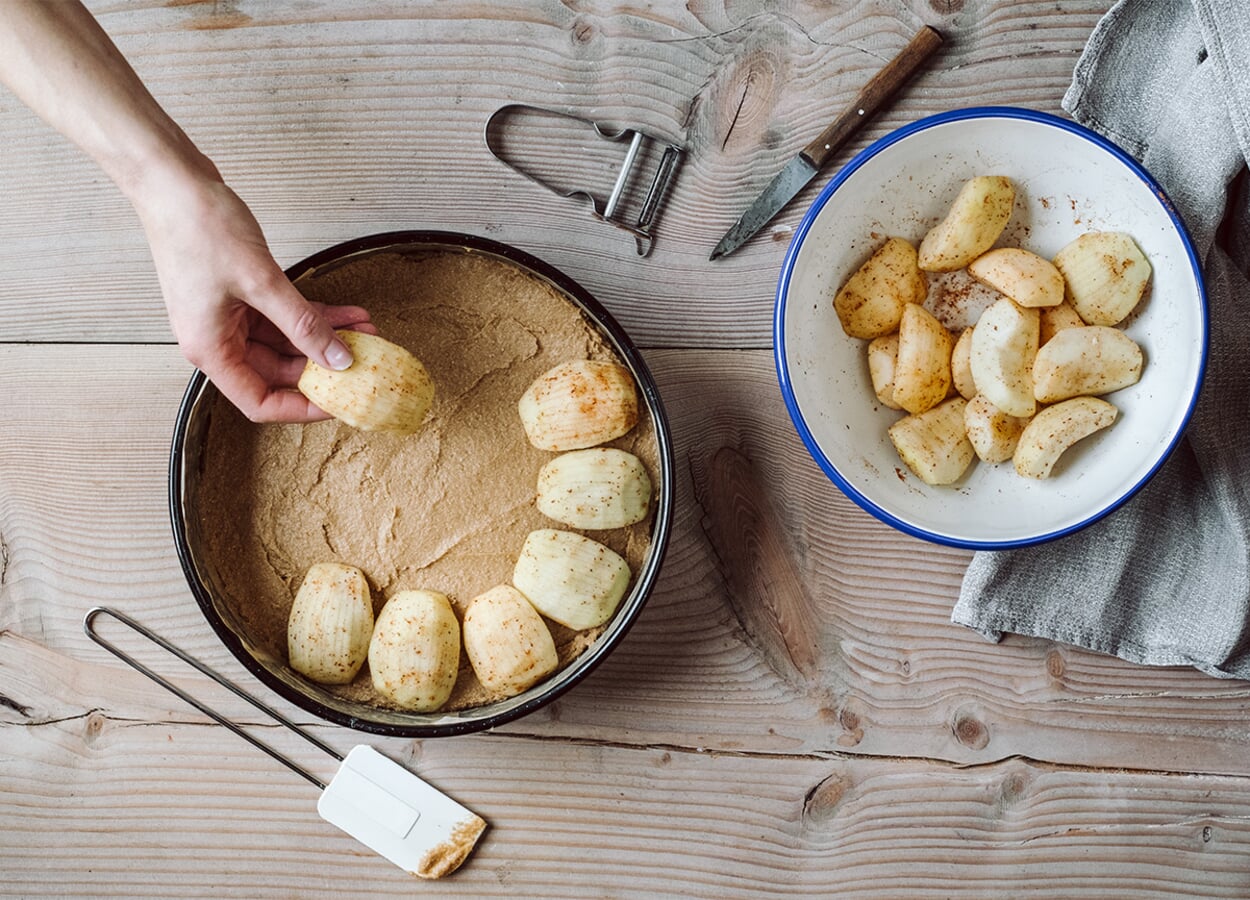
[302, 323]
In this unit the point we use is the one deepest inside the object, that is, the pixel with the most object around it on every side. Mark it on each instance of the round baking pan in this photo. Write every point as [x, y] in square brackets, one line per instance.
[186, 464]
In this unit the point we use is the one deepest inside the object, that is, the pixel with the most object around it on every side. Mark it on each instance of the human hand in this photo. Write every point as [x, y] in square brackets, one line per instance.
[233, 311]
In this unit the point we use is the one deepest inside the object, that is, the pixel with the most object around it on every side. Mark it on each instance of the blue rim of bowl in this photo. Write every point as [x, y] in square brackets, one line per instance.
[796, 243]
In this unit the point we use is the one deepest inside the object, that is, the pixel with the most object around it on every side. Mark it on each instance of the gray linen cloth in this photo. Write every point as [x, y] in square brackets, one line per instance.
[1164, 580]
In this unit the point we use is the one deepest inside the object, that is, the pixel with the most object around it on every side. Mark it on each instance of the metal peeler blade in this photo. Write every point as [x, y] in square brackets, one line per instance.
[640, 149]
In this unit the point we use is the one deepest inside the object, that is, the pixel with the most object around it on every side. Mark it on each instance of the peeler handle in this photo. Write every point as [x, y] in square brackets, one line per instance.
[88, 625]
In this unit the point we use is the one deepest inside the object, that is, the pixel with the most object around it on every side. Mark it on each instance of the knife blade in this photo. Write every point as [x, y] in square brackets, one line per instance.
[804, 167]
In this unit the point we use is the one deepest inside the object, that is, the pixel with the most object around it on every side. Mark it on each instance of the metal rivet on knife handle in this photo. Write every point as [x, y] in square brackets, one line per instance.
[800, 170]
[880, 88]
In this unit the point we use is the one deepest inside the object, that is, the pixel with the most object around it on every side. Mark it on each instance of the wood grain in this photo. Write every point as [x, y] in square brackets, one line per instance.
[84, 521]
[793, 714]
[117, 803]
[765, 587]
[337, 120]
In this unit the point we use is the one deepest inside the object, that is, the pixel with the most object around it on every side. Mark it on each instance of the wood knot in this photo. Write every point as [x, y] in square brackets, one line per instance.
[852, 727]
[213, 15]
[583, 30]
[94, 726]
[821, 802]
[410, 756]
[765, 586]
[947, 7]
[969, 731]
[746, 101]
[1013, 788]
[553, 711]
[1055, 666]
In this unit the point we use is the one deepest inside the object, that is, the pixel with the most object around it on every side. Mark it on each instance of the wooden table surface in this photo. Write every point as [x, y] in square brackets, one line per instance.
[881, 751]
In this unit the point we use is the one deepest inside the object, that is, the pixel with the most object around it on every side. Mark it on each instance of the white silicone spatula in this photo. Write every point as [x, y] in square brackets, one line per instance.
[372, 798]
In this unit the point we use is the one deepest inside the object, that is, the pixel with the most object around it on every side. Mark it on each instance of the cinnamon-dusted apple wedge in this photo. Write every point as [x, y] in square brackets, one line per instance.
[330, 623]
[385, 388]
[1055, 429]
[1023, 276]
[579, 404]
[1106, 275]
[1004, 345]
[508, 644]
[1087, 361]
[569, 578]
[414, 654]
[596, 488]
[871, 302]
[992, 433]
[975, 220]
[922, 369]
[934, 444]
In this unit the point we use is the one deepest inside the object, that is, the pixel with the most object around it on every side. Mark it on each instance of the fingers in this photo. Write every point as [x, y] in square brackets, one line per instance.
[353, 318]
[307, 328]
[277, 369]
[262, 386]
[258, 399]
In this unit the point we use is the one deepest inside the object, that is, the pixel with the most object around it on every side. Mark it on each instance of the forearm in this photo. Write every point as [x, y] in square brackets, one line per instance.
[232, 310]
[57, 59]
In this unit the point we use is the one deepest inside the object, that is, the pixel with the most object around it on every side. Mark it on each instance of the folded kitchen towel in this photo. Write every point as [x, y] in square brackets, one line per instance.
[1165, 579]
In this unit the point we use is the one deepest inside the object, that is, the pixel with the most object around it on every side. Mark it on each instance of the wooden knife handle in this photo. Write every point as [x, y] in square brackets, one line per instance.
[880, 88]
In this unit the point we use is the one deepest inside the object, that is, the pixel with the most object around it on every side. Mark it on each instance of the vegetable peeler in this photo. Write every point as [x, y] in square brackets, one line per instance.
[640, 149]
[372, 798]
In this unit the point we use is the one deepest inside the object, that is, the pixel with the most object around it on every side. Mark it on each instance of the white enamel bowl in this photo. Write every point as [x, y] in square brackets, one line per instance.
[1068, 180]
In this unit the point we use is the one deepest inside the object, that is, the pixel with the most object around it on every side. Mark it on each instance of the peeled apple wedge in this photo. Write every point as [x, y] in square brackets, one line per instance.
[961, 365]
[1004, 344]
[922, 371]
[579, 404]
[507, 641]
[933, 443]
[596, 488]
[384, 389]
[882, 355]
[972, 225]
[1053, 319]
[1106, 275]
[414, 654]
[872, 300]
[331, 619]
[992, 433]
[1055, 429]
[1023, 276]
[569, 578]
[1092, 360]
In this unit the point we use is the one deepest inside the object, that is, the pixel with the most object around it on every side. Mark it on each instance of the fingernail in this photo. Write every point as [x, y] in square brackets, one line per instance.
[338, 356]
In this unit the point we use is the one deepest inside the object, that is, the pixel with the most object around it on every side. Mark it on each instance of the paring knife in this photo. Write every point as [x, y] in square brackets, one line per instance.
[803, 168]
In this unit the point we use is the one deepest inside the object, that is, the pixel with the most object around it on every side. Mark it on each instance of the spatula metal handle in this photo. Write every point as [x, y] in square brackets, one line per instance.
[88, 625]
